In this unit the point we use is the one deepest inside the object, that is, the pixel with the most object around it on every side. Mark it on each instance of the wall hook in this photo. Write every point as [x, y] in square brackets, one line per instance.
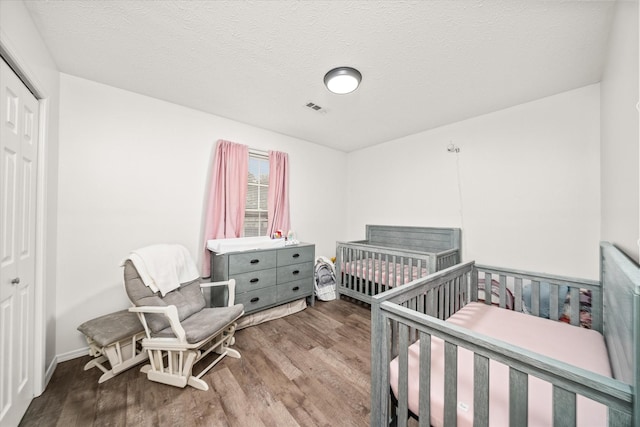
[453, 148]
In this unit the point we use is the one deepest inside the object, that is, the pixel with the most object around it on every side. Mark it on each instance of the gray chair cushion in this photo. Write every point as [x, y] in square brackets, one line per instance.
[113, 327]
[206, 323]
[188, 298]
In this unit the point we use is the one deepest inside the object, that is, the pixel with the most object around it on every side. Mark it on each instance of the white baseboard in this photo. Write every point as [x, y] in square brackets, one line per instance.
[58, 359]
[49, 372]
[74, 354]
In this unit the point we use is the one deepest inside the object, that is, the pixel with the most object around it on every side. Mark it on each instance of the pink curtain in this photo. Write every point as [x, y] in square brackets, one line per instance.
[278, 197]
[227, 196]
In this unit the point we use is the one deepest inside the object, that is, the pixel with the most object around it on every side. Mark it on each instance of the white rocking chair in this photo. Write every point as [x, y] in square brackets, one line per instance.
[180, 330]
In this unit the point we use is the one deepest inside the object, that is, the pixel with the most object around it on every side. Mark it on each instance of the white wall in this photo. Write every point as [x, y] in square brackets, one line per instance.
[133, 172]
[620, 154]
[21, 40]
[529, 178]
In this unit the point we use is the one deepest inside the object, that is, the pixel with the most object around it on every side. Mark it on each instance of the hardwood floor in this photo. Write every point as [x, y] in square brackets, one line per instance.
[308, 369]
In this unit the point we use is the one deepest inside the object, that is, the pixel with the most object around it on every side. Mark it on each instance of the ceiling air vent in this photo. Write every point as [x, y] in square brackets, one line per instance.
[314, 106]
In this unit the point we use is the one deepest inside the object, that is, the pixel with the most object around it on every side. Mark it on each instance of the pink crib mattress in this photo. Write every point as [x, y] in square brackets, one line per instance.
[577, 346]
[376, 271]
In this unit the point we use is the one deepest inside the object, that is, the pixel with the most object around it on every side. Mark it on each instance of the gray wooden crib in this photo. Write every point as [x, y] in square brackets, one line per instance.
[391, 256]
[412, 316]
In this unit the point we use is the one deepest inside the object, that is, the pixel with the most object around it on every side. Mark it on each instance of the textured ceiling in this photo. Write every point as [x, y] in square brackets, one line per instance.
[424, 64]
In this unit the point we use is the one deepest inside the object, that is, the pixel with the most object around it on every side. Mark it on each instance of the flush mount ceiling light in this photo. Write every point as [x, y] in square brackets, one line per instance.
[342, 80]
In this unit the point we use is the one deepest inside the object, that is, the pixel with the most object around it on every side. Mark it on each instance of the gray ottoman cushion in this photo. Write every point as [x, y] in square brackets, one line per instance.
[110, 328]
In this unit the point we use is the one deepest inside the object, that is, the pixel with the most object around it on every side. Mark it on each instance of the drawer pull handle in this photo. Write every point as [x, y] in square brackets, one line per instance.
[296, 288]
[255, 261]
[296, 272]
[296, 255]
[255, 299]
[254, 280]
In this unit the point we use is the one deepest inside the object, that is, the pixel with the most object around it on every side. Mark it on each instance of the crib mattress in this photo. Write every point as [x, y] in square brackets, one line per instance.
[376, 271]
[578, 346]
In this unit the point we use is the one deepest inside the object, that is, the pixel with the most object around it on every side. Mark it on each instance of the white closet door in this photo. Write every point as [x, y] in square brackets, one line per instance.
[18, 162]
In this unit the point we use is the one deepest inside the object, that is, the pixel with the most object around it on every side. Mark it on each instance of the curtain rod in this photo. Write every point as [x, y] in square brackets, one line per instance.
[258, 152]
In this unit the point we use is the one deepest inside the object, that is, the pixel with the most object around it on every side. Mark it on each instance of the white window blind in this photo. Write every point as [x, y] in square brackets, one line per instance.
[255, 216]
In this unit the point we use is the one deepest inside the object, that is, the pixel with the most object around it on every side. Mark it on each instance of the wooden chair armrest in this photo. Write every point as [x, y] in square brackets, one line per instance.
[170, 312]
[231, 284]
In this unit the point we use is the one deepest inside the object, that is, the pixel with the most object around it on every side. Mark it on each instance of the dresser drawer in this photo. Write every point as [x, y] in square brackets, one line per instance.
[256, 300]
[295, 255]
[293, 272]
[251, 261]
[295, 289]
[255, 280]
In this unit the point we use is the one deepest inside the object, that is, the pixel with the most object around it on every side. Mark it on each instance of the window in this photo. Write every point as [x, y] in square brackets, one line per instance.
[255, 215]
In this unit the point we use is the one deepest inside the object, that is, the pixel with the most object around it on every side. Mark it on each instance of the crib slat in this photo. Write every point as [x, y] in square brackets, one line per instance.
[480, 391]
[359, 279]
[444, 296]
[390, 272]
[450, 384]
[535, 298]
[352, 270]
[406, 269]
[424, 396]
[447, 293]
[366, 283]
[372, 274]
[394, 264]
[503, 291]
[347, 258]
[564, 407]
[518, 397]
[518, 296]
[553, 301]
[452, 297]
[474, 285]
[377, 270]
[362, 281]
[356, 268]
[386, 273]
[381, 274]
[393, 331]
[575, 306]
[403, 374]
[464, 292]
[488, 279]
[366, 274]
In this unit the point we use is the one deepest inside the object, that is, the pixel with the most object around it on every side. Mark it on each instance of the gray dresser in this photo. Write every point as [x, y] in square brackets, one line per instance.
[266, 277]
